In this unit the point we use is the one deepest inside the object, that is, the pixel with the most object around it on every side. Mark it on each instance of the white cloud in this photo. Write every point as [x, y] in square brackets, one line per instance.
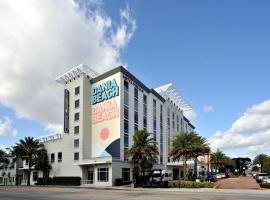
[208, 108]
[6, 128]
[250, 132]
[41, 39]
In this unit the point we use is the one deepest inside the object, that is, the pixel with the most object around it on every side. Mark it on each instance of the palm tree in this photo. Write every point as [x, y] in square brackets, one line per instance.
[27, 147]
[41, 162]
[218, 159]
[202, 149]
[143, 151]
[260, 159]
[3, 157]
[187, 145]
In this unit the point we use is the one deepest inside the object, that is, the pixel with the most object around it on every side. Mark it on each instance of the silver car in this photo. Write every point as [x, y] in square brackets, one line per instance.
[266, 179]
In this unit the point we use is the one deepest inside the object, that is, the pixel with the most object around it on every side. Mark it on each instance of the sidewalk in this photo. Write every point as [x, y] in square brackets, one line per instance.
[130, 189]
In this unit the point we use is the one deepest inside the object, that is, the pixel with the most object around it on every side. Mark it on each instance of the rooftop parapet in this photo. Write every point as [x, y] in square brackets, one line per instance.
[76, 72]
[50, 138]
[169, 92]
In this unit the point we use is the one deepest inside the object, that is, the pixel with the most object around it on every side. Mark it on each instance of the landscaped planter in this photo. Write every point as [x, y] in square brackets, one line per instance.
[190, 184]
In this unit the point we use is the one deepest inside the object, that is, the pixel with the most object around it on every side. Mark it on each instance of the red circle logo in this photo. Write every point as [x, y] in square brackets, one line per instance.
[104, 134]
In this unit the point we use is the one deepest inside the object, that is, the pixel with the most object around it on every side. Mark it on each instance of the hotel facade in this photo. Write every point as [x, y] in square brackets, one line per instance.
[101, 115]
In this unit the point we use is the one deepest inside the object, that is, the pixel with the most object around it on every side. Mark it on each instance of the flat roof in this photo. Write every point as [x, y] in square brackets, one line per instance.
[129, 75]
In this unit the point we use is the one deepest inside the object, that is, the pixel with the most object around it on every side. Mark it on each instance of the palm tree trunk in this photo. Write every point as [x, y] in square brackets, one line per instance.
[185, 168]
[195, 167]
[29, 170]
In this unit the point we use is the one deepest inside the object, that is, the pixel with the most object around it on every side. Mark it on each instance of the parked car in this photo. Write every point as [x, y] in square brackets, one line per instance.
[266, 179]
[220, 176]
[211, 178]
[161, 177]
[260, 176]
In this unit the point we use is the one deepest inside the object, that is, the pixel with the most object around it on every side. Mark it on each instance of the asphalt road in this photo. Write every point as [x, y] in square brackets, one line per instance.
[52, 193]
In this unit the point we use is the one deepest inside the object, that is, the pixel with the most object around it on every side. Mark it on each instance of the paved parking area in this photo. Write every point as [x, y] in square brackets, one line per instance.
[238, 183]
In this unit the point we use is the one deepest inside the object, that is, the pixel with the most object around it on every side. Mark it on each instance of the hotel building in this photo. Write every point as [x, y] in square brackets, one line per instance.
[101, 115]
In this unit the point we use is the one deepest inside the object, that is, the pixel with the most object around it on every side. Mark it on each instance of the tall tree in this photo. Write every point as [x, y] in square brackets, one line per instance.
[3, 157]
[41, 162]
[260, 159]
[202, 149]
[143, 151]
[267, 165]
[187, 145]
[27, 147]
[218, 160]
[241, 163]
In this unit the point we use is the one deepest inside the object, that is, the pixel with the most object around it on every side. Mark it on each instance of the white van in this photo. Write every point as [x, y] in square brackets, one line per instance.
[161, 176]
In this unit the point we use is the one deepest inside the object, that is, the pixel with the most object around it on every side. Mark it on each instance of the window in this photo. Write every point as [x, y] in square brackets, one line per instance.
[125, 93]
[161, 135]
[125, 140]
[126, 154]
[177, 121]
[169, 130]
[126, 112]
[173, 121]
[76, 156]
[126, 174]
[76, 116]
[52, 157]
[144, 112]
[76, 129]
[59, 156]
[126, 126]
[103, 174]
[136, 128]
[136, 93]
[77, 103]
[77, 90]
[136, 105]
[35, 176]
[154, 119]
[181, 125]
[126, 118]
[76, 143]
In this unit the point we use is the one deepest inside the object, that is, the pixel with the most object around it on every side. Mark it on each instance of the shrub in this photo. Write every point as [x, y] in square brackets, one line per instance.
[190, 184]
[67, 180]
[265, 185]
[44, 181]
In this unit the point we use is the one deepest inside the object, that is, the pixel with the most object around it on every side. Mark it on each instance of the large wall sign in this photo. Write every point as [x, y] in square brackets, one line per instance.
[106, 117]
[105, 91]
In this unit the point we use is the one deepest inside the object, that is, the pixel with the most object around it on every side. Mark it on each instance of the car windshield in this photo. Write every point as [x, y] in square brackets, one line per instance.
[262, 174]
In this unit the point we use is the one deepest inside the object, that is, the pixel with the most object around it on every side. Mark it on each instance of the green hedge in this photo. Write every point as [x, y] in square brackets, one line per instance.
[265, 185]
[45, 181]
[190, 184]
[67, 180]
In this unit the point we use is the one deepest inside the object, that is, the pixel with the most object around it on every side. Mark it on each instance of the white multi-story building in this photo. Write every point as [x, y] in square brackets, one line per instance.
[101, 115]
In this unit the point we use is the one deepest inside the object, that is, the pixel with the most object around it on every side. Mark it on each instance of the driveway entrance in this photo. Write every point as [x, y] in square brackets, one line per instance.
[238, 183]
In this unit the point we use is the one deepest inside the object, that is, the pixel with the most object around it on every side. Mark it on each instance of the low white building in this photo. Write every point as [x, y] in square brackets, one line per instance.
[10, 173]
[101, 115]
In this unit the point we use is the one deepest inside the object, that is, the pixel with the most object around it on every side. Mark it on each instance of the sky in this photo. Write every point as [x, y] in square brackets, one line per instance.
[215, 53]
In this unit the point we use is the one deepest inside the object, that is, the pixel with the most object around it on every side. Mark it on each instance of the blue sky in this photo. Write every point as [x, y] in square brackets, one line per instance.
[216, 53]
